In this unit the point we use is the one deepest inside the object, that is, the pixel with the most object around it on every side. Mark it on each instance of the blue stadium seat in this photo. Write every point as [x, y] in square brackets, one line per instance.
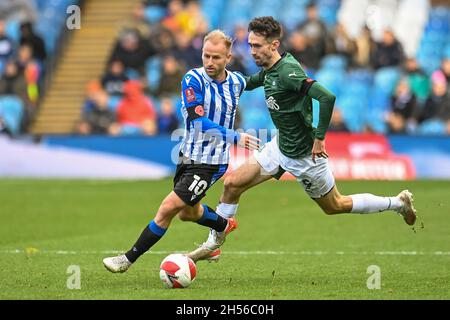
[113, 102]
[331, 79]
[447, 51]
[154, 14]
[353, 111]
[333, 61]
[375, 119]
[128, 130]
[132, 74]
[153, 72]
[379, 100]
[361, 75]
[11, 110]
[12, 29]
[386, 79]
[432, 127]
[2, 66]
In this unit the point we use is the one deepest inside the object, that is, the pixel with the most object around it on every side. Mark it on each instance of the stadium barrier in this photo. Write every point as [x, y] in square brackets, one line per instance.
[352, 156]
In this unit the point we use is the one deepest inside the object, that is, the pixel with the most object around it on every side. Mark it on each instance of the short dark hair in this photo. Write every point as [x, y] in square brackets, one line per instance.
[267, 27]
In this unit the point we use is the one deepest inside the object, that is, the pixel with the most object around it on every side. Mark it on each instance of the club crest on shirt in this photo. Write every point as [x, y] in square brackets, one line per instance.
[236, 89]
[190, 94]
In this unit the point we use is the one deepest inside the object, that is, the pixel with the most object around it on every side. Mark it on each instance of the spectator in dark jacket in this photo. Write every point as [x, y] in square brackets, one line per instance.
[114, 79]
[33, 40]
[97, 118]
[12, 82]
[437, 105]
[403, 109]
[167, 119]
[171, 76]
[314, 30]
[389, 52]
[132, 51]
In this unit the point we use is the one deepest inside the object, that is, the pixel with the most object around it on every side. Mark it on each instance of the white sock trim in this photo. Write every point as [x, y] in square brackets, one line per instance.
[369, 203]
[226, 210]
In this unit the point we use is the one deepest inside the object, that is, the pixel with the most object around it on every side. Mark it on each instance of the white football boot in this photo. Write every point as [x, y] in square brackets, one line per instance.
[210, 249]
[407, 210]
[117, 264]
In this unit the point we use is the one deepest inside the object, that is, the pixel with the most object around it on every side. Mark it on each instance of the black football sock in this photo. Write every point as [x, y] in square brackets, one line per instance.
[149, 236]
[211, 219]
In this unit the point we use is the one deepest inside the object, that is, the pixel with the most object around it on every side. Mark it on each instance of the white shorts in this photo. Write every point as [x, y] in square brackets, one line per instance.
[316, 178]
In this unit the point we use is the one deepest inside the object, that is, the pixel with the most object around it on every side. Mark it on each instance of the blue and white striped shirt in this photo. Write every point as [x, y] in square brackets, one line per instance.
[219, 101]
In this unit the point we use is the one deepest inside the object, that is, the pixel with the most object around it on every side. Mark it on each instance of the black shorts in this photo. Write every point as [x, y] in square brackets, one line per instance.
[192, 180]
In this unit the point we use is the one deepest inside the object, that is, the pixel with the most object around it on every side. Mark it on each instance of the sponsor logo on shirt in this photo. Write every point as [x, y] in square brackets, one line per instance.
[272, 103]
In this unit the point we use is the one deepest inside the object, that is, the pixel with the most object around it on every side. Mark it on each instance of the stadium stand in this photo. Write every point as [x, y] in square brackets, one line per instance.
[363, 73]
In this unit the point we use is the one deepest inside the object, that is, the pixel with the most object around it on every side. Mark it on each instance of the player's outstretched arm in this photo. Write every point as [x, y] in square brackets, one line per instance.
[326, 104]
[196, 115]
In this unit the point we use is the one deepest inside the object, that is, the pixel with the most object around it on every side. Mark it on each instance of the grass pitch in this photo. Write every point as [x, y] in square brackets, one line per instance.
[284, 248]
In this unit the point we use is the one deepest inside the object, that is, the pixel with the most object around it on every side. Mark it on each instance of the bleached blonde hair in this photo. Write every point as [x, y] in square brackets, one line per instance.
[216, 36]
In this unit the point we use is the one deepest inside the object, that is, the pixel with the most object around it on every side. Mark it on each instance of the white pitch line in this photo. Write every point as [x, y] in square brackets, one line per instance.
[242, 253]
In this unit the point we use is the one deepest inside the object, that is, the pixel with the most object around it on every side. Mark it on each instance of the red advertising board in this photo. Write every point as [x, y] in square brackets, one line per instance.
[356, 156]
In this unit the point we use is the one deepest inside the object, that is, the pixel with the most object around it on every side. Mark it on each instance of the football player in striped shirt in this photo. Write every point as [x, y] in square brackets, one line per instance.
[299, 148]
[210, 96]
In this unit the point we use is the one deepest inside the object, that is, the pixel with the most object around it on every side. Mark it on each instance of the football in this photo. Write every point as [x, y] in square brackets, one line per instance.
[177, 271]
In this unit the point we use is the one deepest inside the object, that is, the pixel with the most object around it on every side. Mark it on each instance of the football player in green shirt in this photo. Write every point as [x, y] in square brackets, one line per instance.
[299, 148]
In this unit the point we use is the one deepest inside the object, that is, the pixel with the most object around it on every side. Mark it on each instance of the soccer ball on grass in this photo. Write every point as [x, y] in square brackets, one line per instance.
[177, 271]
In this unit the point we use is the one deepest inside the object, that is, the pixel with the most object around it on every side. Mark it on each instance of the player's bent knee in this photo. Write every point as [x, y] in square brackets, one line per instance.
[170, 208]
[231, 185]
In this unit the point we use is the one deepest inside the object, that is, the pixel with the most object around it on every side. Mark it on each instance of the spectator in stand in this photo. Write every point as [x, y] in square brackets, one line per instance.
[97, 118]
[418, 80]
[171, 75]
[28, 67]
[236, 65]
[186, 52]
[138, 21]
[365, 48]
[194, 23]
[167, 119]
[132, 51]
[136, 111]
[337, 123]
[342, 44]
[445, 69]
[164, 41]
[114, 80]
[6, 44]
[241, 50]
[315, 31]
[13, 83]
[28, 37]
[389, 52]
[175, 12]
[302, 52]
[437, 105]
[403, 108]
[19, 10]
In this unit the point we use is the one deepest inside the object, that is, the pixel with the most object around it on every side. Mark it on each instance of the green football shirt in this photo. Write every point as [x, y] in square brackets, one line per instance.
[286, 88]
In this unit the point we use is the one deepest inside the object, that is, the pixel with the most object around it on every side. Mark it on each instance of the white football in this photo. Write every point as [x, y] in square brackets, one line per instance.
[177, 271]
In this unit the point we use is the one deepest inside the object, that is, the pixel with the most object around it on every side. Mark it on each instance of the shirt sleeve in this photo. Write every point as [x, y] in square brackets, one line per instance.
[191, 91]
[326, 104]
[293, 78]
[254, 81]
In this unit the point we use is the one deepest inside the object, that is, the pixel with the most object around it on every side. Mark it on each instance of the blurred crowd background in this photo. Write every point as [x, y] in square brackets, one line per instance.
[387, 61]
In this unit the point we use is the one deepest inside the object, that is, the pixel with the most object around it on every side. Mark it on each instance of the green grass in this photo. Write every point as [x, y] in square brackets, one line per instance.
[314, 256]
